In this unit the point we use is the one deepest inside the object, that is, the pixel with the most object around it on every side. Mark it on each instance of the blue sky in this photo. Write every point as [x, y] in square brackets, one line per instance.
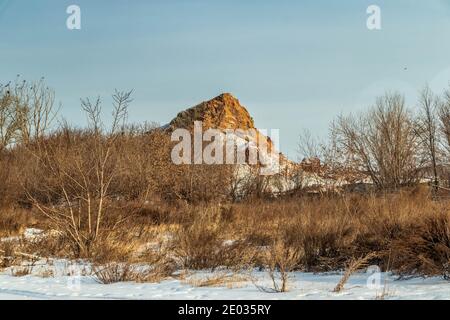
[294, 64]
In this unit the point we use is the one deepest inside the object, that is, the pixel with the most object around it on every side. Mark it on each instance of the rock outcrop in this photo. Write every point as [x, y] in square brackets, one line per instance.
[222, 112]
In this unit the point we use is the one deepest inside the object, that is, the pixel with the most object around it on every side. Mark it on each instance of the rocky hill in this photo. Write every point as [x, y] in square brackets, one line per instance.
[226, 112]
[222, 112]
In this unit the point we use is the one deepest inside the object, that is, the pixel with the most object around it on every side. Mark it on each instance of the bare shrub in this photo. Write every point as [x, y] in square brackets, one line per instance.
[114, 272]
[325, 242]
[160, 270]
[7, 254]
[353, 266]
[199, 242]
[143, 162]
[77, 171]
[425, 249]
[13, 221]
[21, 271]
[49, 245]
[281, 260]
[199, 183]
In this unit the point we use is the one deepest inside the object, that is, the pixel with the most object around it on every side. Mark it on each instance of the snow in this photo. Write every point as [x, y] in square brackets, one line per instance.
[301, 286]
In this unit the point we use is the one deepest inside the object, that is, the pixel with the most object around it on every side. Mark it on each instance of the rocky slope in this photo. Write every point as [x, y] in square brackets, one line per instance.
[222, 112]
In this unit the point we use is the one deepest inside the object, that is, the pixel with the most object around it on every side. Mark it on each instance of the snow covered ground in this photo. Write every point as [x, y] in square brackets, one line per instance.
[301, 286]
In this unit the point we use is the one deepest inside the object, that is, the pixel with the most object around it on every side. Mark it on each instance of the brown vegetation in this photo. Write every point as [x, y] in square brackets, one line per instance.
[114, 196]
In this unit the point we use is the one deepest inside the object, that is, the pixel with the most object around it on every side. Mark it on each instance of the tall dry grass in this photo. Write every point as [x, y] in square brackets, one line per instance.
[408, 231]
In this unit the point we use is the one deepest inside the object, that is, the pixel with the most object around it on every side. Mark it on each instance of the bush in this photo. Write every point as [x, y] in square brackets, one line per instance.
[200, 243]
[425, 249]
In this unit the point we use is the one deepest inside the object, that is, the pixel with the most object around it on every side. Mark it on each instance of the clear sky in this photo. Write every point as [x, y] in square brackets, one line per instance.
[294, 64]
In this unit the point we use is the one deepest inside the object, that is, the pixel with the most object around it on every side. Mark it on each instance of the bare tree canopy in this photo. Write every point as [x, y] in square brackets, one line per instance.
[427, 130]
[444, 118]
[381, 142]
[27, 110]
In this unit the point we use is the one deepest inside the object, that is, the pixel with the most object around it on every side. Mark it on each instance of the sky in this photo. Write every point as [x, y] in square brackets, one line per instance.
[295, 65]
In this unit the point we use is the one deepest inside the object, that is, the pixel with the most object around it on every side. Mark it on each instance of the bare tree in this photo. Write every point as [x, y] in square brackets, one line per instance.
[427, 129]
[444, 117]
[444, 129]
[26, 111]
[35, 109]
[309, 146]
[82, 175]
[8, 117]
[381, 143]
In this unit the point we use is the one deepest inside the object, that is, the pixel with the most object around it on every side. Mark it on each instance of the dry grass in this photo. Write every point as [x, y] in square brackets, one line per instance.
[114, 272]
[14, 220]
[353, 266]
[425, 249]
[301, 234]
[125, 272]
[408, 230]
[21, 271]
[280, 260]
[324, 233]
[218, 279]
[201, 241]
[7, 254]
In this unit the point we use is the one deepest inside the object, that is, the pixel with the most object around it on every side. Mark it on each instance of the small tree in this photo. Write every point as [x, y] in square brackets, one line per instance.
[444, 128]
[26, 111]
[78, 169]
[35, 110]
[427, 129]
[8, 117]
[444, 118]
[381, 143]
